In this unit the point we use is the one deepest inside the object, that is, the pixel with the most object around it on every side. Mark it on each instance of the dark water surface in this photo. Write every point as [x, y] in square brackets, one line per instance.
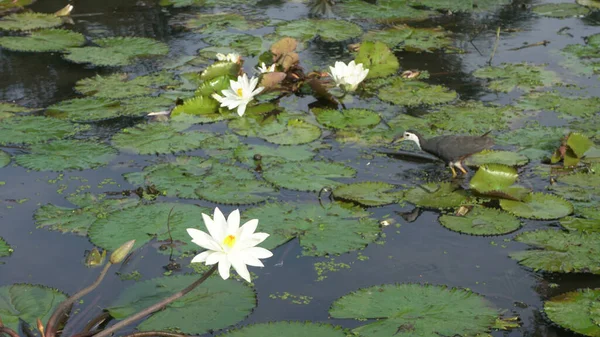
[421, 251]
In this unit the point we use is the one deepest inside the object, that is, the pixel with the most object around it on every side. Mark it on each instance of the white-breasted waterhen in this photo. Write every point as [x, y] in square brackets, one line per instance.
[451, 149]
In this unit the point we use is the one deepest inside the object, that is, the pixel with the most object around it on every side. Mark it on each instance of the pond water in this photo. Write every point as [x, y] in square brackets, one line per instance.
[419, 251]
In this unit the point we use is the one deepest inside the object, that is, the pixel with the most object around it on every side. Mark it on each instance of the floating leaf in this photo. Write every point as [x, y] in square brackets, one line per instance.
[369, 193]
[45, 40]
[581, 225]
[526, 77]
[416, 310]
[348, 118]
[78, 220]
[329, 30]
[219, 303]
[201, 109]
[560, 10]
[534, 141]
[538, 206]
[578, 186]
[566, 106]
[11, 5]
[158, 138]
[244, 44]
[497, 180]
[5, 249]
[29, 21]
[31, 130]
[147, 222]
[460, 5]
[283, 128]
[4, 158]
[8, 109]
[561, 252]
[28, 303]
[378, 58]
[200, 3]
[415, 93]
[321, 231]
[270, 155]
[116, 51]
[62, 155]
[497, 157]
[310, 176]
[94, 110]
[219, 22]
[117, 86]
[436, 195]
[292, 329]
[572, 311]
[482, 221]
[468, 117]
[579, 143]
[383, 10]
[411, 39]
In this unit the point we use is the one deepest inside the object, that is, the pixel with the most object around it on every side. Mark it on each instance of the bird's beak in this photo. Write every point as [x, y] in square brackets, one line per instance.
[398, 139]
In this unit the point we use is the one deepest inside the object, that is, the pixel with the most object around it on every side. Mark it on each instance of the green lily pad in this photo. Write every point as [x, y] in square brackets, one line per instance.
[508, 158]
[283, 128]
[28, 303]
[244, 44]
[378, 58]
[579, 144]
[560, 252]
[62, 155]
[348, 118]
[581, 225]
[116, 86]
[383, 10]
[85, 110]
[482, 221]
[538, 206]
[369, 193]
[329, 30]
[578, 186]
[468, 117]
[567, 107]
[29, 21]
[270, 155]
[11, 5]
[220, 304]
[415, 93]
[77, 220]
[213, 23]
[32, 129]
[44, 40]
[572, 311]
[416, 310]
[145, 222]
[142, 106]
[5, 249]
[526, 77]
[321, 231]
[159, 138]
[411, 39]
[436, 195]
[583, 59]
[310, 176]
[497, 180]
[534, 141]
[201, 3]
[202, 109]
[292, 329]
[117, 51]
[8, 109]
[560, 10]
[460, 5]
[4, 158]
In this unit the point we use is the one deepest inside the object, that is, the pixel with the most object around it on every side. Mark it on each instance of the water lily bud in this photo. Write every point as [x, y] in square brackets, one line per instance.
[119, 255]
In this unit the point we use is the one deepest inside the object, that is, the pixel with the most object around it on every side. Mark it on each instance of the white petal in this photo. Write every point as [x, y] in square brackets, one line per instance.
[248, 229]
[233, 222]
[257, 91]
[217, 97]
[251, 260]
[201, 257]
[203, 240]
[259, 237]
[241, 109]
[214, 257]
[214, 229]
[220, 220]
[224, 266]
[258, 252]
[240, 267]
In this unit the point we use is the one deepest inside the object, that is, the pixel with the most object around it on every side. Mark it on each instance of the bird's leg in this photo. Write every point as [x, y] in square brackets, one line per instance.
[460, 167]
[453, 170]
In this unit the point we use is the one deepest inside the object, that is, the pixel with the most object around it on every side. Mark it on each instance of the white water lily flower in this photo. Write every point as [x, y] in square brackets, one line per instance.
[264, 69]
[229, 245]
[231, 57]
[348, 76]
[239, 94]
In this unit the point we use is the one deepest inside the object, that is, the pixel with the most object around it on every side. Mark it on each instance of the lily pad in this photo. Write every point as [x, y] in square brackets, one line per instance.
[468, 117]
[5, 249]
[329, 30]
[383, 10]
[291, 329]
[508, 158]
[159, 138]
[201, 109]
[581, 225]
[77, 220]
[415, 93]
[220, 304]
[538, 206]
[28, 303]
[411, 39]
[244, 44]
[144, 223]
[533, 140]
[117, 51]
[270, 155]
[369, 193]
[526, 77]
[560, 10]
[210, 23]
[29, 21]
[116, 86]
[497, 180]
[436, 195]
[7, 109]
[321, 231]
[200, 3]
[85, 110]
[44, 40]
[4, 158]
[310, 176]
[11, 5]
[62, 155]
[349, 118]
[378, 58]
[32, 129]
[572, 311]
[567, 107]
[578, 186]
[282, 128]
[416, 310]
[460, 5]
[482, 221]
[561, 252]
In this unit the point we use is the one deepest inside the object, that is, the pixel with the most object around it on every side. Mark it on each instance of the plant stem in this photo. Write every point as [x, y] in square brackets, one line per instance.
[155, 307]
[155, 333]
[52, 325]
[495, 46]
[8, 331]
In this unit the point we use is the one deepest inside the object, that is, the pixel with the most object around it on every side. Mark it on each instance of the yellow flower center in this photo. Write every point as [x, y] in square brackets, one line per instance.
[239, 92]
[229, 241]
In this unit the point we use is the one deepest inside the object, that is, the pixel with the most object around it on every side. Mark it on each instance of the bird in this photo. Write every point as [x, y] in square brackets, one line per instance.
[451, 149]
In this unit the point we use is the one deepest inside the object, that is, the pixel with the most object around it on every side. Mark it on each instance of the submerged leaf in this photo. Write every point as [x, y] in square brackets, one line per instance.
[62, 155]
[416, 310]
[436, 195]
[44, 40]
[369, 193]
[482, 221]
[33, 129]
[378, 58]
[28, 303]
[116, 51]
[310, 176]
[29, 21]
[523, 76]
[572, 311]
